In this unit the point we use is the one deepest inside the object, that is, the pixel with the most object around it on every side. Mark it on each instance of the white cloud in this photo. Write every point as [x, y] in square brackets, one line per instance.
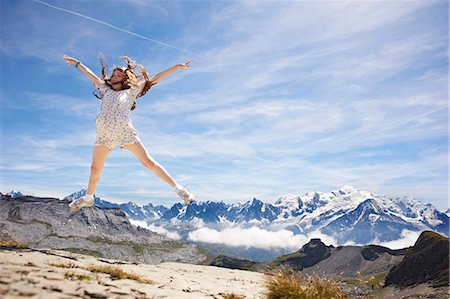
[157, 229]
[261, 238]
[407, 238]
[63, 104]
[32, 167]
[255, 237]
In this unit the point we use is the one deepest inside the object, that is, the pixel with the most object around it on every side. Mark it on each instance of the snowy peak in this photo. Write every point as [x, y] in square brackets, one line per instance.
[313, 200]
[254, 204]
[409, 206]
[416, 211]
[289, 206]
[446, 212]
[155, 212]
[370, 210]
[347, 189]
[252, 210]
[14, 194]
[345, 198]
[289, 200]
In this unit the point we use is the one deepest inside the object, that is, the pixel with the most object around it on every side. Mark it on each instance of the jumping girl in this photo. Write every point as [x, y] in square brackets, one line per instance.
[113, 125]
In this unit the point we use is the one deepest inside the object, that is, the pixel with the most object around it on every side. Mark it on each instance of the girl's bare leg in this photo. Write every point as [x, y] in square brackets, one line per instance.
[138, 149]
[99, 156]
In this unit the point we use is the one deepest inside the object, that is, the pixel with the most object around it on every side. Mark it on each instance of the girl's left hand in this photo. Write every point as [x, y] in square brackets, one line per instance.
[185, 65]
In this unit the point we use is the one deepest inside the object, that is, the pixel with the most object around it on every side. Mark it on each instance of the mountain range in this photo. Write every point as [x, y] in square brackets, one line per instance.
[348, 215]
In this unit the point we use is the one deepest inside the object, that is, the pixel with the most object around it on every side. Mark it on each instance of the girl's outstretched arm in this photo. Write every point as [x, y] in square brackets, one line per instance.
[85, 70]
[169, 71]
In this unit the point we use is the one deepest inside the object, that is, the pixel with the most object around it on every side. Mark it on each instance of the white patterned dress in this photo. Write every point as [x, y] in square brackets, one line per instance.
[113, 124]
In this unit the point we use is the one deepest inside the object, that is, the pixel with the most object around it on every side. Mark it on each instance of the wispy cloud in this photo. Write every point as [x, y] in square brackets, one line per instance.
[59, 103]
[109, 25]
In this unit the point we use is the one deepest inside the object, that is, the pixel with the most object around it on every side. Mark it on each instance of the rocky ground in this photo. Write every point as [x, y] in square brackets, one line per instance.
[59, 274]
[50, 273]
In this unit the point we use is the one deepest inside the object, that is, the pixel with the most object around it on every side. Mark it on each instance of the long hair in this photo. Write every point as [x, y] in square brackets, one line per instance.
[131, 79]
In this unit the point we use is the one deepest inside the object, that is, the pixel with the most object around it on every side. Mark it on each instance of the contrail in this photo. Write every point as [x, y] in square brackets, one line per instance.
[114, 27]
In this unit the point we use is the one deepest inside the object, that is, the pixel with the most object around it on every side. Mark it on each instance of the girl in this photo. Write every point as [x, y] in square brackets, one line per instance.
[113, 125]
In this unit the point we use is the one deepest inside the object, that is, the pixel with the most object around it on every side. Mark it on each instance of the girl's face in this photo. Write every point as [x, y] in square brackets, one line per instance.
[117, 77]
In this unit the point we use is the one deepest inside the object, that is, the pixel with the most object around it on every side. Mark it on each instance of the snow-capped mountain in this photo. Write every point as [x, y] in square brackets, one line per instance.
[132, 210]
[447, 212]
[14, 194]
[347, 214]
[217, 212]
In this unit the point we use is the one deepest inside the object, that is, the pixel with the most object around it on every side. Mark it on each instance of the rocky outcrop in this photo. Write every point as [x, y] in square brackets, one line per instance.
[224, 261]
[427, 261]
[310, 254]
[373, 252]
[317, 258]
[349, 262]
[46, 223]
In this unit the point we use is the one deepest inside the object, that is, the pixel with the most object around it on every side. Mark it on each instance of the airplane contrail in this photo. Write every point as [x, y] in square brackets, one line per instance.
[112, 26]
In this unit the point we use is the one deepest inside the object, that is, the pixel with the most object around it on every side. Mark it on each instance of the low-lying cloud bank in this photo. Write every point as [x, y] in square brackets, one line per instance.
[255, 237]
[407, 238]
[261, 238]
[157, 229]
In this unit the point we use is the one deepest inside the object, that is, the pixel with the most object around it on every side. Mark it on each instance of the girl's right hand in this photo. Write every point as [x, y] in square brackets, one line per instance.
[70, 60]
[184, 65]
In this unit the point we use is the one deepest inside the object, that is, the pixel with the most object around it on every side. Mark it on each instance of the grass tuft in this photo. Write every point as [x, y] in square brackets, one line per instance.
[12, 243]
[62, 265]
[231, 296]
[287, 283]
[71, 275]
[117, 273]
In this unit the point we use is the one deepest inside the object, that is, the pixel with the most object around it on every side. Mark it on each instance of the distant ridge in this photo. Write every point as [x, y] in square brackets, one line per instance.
[426, 261]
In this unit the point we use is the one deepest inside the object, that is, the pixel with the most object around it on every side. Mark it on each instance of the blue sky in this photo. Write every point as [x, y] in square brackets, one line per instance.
[281, 97]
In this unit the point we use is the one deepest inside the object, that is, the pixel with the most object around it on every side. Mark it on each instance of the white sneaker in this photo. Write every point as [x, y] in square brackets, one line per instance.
[77, 204]
[186, 196]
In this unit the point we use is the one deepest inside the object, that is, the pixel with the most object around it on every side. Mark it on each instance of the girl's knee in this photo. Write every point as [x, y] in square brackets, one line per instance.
[150, 163]
[95, 169]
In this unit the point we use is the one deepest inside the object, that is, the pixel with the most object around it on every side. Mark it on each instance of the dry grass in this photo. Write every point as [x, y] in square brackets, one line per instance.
[117, 273]
[114, 272]
[375, 282]
[62, 265]
[286, 283]
[71, 275]
[12, 243]
[231, 296]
